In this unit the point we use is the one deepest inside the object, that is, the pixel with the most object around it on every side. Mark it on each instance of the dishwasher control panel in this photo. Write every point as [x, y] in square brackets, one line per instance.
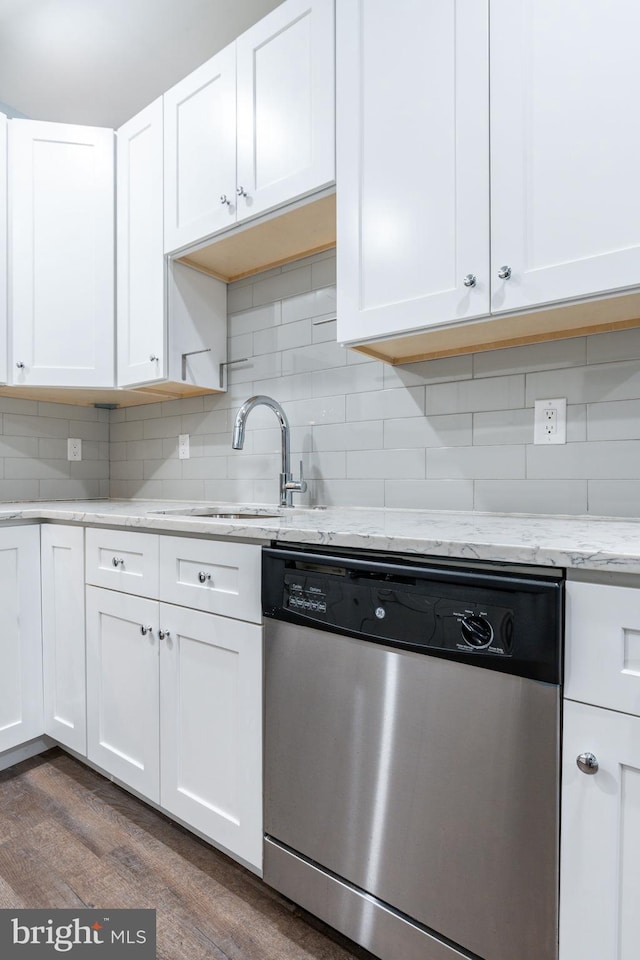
[504, 621]
[414, 614]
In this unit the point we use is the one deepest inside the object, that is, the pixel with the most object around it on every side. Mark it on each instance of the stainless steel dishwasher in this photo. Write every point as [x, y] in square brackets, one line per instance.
[412, 738]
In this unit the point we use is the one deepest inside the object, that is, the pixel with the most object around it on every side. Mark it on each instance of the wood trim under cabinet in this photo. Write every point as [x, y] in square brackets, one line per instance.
[474, 336]
[282, 237]
[87, 397]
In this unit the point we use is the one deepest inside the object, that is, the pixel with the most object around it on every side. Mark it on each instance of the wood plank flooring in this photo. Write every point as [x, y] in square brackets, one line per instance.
[71, 838]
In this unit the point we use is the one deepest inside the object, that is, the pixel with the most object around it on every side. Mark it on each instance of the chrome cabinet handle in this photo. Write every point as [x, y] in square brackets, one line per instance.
[153, 358]
[242, 192]
[118, 562]
[164, 634]
[204, 577]
[588, 763]
[19, 364]
[145, 630]
[470, 280]
[224, 200]
[504, 272]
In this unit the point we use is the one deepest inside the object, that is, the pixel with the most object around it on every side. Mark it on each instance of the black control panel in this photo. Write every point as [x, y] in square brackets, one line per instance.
[505, 622]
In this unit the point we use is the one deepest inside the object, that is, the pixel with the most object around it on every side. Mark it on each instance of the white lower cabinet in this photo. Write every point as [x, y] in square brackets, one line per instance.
[122, 688]
[211, 727]
[174, 694]
[600, 863]
[21, 648]
[62, 571]
[600, 837]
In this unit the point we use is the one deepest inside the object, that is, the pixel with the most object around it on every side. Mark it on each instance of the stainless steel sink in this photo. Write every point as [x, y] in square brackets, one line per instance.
[220, 513]
[236, 512]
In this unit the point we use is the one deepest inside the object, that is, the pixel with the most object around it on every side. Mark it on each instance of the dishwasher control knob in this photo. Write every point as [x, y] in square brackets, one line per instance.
[476, 631]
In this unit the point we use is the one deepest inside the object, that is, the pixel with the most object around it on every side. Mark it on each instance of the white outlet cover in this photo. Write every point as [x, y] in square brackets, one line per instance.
[183, 446]
[540, 421]
[74, 448]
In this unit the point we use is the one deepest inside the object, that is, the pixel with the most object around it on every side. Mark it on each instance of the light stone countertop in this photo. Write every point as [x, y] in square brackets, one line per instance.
[602, 544]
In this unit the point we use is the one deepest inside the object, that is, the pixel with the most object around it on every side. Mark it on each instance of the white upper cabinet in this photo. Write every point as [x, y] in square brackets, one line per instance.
[61, 212]
[285, 87]
[141, 332]
[434, 185]
[412, 164]
[228, 157]
[565, 197]
[200, 152]
[3, 248]
[172, 320]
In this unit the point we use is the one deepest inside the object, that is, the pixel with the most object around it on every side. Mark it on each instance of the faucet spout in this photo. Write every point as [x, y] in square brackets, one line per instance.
[287, 484]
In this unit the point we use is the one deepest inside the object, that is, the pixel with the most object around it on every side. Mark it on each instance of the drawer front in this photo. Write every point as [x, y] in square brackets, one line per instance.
[603, 646]
[123, 560]
[212, 575]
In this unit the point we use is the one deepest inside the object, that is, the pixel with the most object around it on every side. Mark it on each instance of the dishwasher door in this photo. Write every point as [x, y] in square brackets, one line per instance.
[430, 784]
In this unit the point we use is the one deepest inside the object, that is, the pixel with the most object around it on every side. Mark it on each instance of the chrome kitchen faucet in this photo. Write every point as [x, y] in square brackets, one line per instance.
[287, 484]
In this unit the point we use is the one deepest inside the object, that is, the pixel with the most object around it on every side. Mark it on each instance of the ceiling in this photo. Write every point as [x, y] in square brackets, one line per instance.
[98, 62]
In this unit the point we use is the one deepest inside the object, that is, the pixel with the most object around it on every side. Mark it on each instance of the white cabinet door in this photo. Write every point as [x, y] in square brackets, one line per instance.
[61, 254]
[122, 688]
[21, 715]
[141, 328]
[412, 164]
[62, 566]
[285, 105]
[211, 727]
[565, 195]
[200, 152]
[3, 248]
[600, 865]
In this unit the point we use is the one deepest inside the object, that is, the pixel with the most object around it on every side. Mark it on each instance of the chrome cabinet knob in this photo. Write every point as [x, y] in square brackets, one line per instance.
[118, 562]
[204, 577]
[587, 762]
[164, 634]
[224, 200]
[242, 192]
[504, 272]
[153, 358]
[470, 280]
[145, 630]
[20, 365]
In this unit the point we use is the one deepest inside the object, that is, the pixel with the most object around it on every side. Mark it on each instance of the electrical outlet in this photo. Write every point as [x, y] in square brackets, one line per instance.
[183, 446]
[74, 449]
[550, 421]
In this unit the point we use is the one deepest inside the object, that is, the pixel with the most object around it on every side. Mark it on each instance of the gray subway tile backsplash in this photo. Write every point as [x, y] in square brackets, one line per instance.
[33, 451]
[452, 433]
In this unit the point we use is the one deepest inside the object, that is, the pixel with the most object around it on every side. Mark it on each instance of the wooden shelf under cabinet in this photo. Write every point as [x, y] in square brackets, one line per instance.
[305, 228]
[473, 336]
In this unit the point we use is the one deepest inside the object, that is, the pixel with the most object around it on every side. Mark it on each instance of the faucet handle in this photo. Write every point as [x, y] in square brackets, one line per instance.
[296, 486]
[302, 483]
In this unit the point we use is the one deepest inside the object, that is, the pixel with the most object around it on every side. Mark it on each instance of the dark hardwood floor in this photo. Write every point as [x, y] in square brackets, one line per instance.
[71, 838]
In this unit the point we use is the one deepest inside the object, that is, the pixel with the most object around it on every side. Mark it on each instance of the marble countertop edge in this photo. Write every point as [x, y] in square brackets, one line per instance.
[588, 543]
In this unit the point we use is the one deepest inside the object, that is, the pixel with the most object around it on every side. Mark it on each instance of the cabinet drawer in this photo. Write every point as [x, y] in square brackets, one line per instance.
[123, 560]
[211, 575]
[603, 646]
